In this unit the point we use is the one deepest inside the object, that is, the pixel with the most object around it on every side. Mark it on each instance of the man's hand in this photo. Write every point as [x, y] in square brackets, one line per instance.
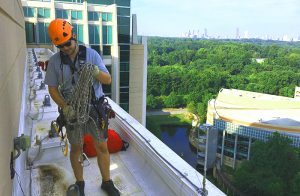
[96, 71]
[69, 113]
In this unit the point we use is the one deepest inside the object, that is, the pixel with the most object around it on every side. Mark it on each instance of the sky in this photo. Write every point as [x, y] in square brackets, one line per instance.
[259, 18]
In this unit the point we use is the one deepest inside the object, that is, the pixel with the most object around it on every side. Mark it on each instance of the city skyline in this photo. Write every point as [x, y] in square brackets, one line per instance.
[172, 18]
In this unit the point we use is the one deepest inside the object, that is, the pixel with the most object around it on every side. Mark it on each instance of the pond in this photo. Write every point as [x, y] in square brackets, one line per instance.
[177, 138]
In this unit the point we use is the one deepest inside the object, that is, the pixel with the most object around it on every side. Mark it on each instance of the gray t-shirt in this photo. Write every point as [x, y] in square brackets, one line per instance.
[59, 74]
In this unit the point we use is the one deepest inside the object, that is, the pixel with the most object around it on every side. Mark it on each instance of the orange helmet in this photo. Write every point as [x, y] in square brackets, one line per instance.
[59, 31]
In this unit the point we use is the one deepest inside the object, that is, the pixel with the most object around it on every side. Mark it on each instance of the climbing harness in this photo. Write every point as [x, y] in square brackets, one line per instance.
[83, 100]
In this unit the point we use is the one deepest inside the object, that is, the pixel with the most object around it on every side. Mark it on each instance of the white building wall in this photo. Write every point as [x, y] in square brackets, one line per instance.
[12, 58]
[138, 82]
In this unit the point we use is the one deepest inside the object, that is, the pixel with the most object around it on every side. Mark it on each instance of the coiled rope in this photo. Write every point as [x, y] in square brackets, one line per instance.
[82, 93]
[80, 101]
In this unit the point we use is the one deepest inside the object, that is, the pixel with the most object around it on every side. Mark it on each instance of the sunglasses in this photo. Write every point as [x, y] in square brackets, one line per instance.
[67, 44]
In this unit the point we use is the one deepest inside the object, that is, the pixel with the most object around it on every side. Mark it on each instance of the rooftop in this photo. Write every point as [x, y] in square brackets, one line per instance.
[257, 109]
[147, 167]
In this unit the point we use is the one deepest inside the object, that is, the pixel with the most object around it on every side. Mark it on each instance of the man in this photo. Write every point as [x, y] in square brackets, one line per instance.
[61, 76]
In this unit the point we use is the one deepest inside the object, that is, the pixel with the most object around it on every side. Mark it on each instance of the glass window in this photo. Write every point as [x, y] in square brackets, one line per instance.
[93, 1]
[107, 34]
[90, 16]
[125, 106]
[124, 56]
[123, 11]
[124, 20]
[80, 33]
[103, 2]
[124, 66]
[123, 2]
[124, 29]
[124, 47]
[40, 13]
[47, 13]
[106, 50]
[109, 17]
[43, 13]
[43, 33]
[41, 30]
[93, 16]
[124, 78]
[104, 35]
[60, 13]
[94, 34]
[28, 11]
[78, 30]
[30, 35]
[123, 38]
[124, 97]
[79, 15]
[76, 15]
[124, 89]
[106, 17]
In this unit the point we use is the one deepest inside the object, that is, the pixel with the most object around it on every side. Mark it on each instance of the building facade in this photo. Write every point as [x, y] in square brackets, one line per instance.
[103, 25]
[242, 117]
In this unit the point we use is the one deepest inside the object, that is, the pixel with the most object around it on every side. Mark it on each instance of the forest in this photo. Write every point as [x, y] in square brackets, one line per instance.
[274, 169]
[188, 73]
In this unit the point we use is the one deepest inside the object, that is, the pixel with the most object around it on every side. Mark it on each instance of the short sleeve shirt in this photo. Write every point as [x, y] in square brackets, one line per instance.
[59, 74]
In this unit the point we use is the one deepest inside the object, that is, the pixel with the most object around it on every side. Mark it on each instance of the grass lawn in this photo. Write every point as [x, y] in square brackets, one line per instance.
[153, 123]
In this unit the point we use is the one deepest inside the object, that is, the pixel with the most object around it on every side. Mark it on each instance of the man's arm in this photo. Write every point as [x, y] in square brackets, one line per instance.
[103, 77]
[100, 71]
[53, 91]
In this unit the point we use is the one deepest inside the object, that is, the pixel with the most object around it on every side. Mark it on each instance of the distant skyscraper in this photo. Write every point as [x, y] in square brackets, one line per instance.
[237, 35]
[286, 38]
[205, 33]
[189, 33]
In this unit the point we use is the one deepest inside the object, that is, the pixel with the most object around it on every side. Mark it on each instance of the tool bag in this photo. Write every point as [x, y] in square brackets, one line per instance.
[114, 144]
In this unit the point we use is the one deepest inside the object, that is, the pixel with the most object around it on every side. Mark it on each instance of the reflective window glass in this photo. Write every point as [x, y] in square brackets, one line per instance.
[30, 35]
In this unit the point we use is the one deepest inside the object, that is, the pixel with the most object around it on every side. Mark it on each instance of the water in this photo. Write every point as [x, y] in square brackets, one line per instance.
[177, 138]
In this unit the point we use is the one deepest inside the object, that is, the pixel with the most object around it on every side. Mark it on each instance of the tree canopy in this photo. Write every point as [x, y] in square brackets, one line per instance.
[274, 169]
[184, 71]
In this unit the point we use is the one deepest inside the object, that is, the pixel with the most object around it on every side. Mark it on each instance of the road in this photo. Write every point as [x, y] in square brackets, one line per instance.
[166, 111]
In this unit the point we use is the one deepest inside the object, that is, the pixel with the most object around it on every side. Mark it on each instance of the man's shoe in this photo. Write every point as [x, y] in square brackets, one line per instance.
[109, 188]
[80, 185]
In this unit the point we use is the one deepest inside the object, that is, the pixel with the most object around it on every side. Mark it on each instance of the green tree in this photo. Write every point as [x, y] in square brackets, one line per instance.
[173, 100]
[194, 68]
[272, 169]
[151, 102]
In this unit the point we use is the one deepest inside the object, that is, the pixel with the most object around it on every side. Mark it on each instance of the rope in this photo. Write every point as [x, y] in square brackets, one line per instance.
[82, 93]
[80, 101]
